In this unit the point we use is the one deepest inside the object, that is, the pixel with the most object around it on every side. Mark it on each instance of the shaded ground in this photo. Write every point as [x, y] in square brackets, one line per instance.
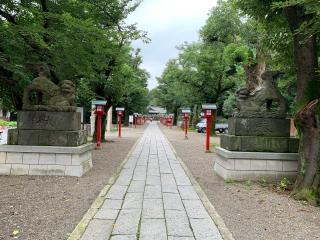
[250, 212]
[50, 207]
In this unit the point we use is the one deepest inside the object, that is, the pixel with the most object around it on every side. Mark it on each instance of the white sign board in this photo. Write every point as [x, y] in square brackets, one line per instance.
[186, 111]
[99, 102]
[209, 106]
[80, 110]
[119, 109]
[131, 119]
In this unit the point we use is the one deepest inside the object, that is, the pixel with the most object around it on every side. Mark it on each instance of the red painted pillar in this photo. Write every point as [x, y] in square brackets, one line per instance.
[119, 123]
[208, 116]
[186, 120]
[99, 112]
[99, 130]
[208, 134]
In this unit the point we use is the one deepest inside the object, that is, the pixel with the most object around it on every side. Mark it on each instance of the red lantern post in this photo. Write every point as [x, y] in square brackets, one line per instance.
[186, 121]
[120, 115]
[99, 112]
[135, 119]
[209, 115]
[171, 120]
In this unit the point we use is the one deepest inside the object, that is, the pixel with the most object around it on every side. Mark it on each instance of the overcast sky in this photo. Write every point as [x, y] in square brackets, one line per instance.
[169, 23]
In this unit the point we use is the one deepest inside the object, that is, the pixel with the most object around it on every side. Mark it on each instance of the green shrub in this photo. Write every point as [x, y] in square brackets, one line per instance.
[283, 184]
[7, 123]
[263, 182]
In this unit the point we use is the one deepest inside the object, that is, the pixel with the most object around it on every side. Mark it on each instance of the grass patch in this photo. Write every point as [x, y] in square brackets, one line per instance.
[248, 183]
[229, 180]
[213, 146]
[309, 195]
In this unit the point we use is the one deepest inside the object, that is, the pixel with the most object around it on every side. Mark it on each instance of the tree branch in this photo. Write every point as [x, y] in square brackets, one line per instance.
[227, 88]
[45, 9]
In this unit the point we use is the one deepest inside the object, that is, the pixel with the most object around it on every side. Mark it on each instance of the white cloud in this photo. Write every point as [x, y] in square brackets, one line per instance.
[169, 23]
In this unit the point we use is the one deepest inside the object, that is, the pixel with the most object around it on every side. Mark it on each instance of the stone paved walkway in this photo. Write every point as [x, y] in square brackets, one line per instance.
[153, 198]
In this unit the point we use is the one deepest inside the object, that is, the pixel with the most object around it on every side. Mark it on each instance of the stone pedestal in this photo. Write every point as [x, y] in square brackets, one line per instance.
[257, 147]
[255, 165]
[46, 143]
[41, 128]
[40, 160]
[259, 144]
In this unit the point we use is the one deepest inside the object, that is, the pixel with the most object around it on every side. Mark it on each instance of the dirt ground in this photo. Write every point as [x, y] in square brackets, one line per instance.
[250, 211]
[49, 208]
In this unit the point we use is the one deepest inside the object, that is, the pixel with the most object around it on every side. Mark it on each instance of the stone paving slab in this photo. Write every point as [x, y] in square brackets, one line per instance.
[152, 199]
[153, 229]
[98, 230]
[153, 208]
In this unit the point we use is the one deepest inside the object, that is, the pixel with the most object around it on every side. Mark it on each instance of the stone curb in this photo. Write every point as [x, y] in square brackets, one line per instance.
[224, 231]
[82, 225]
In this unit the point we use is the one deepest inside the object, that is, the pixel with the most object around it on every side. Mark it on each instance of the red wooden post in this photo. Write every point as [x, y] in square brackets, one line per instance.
[208, 116]
[99, 131]
[186, 120]
[119, 122]
[100, 112]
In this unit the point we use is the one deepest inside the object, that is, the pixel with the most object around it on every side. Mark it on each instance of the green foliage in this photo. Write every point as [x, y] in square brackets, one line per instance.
[7, 123]
[85, 41]
[284, 184]
[248, 183]
[223, 24]
[309, 195]
[237, 53]
[263, 182]
[229, 180]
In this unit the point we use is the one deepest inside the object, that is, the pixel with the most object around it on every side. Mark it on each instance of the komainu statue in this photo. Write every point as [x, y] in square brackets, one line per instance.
[44, 95]
[265, 98]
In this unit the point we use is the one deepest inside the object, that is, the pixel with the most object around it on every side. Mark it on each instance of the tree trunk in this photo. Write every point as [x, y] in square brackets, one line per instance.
[255, 71]
[306, 120]
[213, 127]
[193, 116]
[175, 117]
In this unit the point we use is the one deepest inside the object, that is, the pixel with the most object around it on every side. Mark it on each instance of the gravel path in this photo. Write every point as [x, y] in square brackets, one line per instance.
[45, 208]
[250, 212]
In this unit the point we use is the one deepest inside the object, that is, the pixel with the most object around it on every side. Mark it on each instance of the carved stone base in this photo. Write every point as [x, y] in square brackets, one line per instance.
[271, 127]
[47, 138]
[255, 166]
[41, 120]
[259, 144]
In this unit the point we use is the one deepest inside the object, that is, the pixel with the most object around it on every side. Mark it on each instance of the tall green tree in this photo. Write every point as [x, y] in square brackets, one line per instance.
[78, 40]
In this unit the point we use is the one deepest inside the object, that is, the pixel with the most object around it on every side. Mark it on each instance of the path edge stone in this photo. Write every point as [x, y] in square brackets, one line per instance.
[88, 216]
[224, 231]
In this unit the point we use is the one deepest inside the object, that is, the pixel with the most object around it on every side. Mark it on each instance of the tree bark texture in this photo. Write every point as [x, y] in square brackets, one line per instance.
[307, 119]
[308, 122]
[255, 71]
